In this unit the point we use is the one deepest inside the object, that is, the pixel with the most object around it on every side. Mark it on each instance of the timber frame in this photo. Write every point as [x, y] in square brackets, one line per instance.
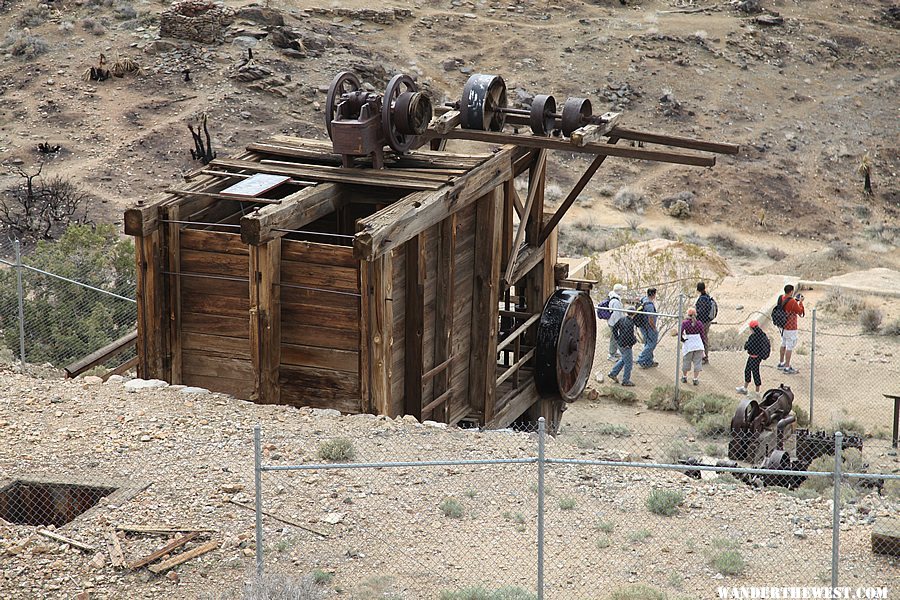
[414, 289]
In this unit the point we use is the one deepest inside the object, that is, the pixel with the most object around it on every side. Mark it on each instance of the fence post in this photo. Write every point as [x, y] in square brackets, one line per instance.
[20, 294]
[257, 476]
[836, 516]
[542, 431]
[678, 347]
[812, 370]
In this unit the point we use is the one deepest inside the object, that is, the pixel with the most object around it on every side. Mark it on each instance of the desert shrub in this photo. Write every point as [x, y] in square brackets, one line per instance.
[663, 398]
[33, 16]
[727, 242]
[664, 502]
[65, 321]
[604, 541]
[276, 585]
[451, 508]
[679, 205]
[892, 328]
[24, 45]
[566, 503]
[613, 430]
[849, 427]
[630, 199]
[92, 26]
[321, 577]
[725, 558]
[634, 224]
[839, 251]
[726, 478]
[701, 405]
[126, 12]
[605, 526]
[41, 208]
[870, 319]
[726, 339]
[678, 450]
[841, 303]
[637, 592]
[66, 26]
[639, 535]
[482, 593]
[667, 233]
[337, 450]
[802, 416]
[620, 395]
[776, 253]
[892, 488]
[712, 425]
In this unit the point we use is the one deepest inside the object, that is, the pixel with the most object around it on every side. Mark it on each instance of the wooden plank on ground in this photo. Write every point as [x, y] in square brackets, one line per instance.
[102, 355]
[160, 529]
[156, 555]
[184, 557]
[116, 556]
[66, 540]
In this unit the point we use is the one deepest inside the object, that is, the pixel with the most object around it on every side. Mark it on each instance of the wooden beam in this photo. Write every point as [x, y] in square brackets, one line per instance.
[116, 556]
[141, 218]
[532, 319]
[65, 540]
[673, 140]
[445, 122]
[265, 320]
[485, 299]
[535, 182]
[101, 356]
[173, 545]
[529, 258]
[414, 325]
[295, 211]
[443, 319]
[217, 196]
[515, 367]
[365, 356]
[592, 133]
[151, 337]
[534, 141]
[392, 178]
[173, 318]
[573, 194]
[184, 557]
[399, 222]
[382, 332]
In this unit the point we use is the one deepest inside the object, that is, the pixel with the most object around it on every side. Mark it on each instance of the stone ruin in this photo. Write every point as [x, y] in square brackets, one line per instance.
[196, 20]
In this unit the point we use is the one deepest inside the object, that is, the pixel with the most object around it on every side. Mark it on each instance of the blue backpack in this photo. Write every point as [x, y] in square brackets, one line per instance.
[603, 311]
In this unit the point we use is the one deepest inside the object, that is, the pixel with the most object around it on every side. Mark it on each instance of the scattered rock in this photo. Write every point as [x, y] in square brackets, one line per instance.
[92, 380]
[136, 385]
[261, 15]
[333, 518]
[232, 488]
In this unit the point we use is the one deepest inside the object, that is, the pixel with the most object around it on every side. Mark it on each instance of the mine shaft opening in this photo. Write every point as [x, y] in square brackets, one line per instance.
[37, 503]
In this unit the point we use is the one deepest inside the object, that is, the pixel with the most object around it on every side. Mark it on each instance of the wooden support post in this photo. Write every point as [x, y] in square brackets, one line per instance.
[173, 320]
[265, 320]
[443, 315]
[365, 357]
[485, 301]
[551, 249]
[535, 187]
[509, 198]
[151, 340]
[381, 339]
[414, 325]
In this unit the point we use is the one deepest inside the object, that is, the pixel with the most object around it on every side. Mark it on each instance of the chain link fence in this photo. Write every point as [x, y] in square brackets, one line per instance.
[504, 514]
[67, 299]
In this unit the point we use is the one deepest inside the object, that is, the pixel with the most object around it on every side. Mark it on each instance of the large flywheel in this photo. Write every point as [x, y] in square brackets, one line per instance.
[566, 337]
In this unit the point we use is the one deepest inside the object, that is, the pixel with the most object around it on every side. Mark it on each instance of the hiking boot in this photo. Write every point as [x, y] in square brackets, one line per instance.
[780, 366]
[741, 390]
[705, 360]
[696, 382]
[612, 358]
[790, 371]
[648, 365]
[613, 377]
[684, 380]
[628, 383]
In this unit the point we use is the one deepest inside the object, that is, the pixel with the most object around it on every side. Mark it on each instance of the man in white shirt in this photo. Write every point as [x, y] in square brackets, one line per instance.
[615, 306]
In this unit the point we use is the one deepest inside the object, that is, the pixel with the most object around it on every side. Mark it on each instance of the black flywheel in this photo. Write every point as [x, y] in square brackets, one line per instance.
[566, 337]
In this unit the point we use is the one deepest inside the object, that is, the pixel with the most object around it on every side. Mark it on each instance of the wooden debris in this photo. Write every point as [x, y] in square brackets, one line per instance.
[886, 537]
[184, 557]
[161, 529]
[65, 540]
[280, 518]
[445, 122]
[176, 543]
[116, 556]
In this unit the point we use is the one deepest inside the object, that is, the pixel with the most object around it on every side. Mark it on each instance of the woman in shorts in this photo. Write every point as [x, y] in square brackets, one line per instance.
[691, 346]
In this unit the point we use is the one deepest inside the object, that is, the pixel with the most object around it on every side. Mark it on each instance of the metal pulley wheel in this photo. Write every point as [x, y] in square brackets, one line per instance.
[405, 113]
[744, 414]
[566, 337]
[575, 114]
[482, 96]
[343, 83]
[542, 116]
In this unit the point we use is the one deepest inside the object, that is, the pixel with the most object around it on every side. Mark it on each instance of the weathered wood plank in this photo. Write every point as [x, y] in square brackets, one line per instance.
[214, 263]
[443, 316]
[265, 319]
[485, 298]
[381, 311]
[184, 557]
[239, 388]
[225, 306]
[399, 222]
[213, 287]
[102, 355]
[323, 388]
[320, 277]
[534, 181]
[364, 372]
[216, 345]
[173, 255]
[320, 337]
[320, 358]
[334, 317]
[216, 366]
[414, 325]
[322, 254]
[173, 545]
[203, 323]
[151, 341]
[295, 212]
[213, 241]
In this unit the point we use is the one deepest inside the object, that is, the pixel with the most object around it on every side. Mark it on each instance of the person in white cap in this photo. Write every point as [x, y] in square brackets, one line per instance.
[615, 306]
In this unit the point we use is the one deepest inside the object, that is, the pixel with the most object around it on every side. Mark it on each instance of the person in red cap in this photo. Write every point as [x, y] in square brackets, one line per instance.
[758, 349]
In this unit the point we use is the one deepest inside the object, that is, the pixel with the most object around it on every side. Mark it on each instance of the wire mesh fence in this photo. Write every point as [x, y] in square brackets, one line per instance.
[519, 515]
[66, 299]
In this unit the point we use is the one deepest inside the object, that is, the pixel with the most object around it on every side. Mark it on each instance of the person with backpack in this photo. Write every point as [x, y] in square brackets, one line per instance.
[784, 316]
[758, 348]
[691, 346]
[623, 331]
[707, 310]
[647, 324]
[611, 310]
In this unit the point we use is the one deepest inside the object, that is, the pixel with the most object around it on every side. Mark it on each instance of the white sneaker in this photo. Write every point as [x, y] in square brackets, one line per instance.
[741, 390]
[780, 366]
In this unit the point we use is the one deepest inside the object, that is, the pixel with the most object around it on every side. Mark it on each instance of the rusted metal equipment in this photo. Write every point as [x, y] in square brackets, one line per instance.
[758, 429]
[377, 275]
